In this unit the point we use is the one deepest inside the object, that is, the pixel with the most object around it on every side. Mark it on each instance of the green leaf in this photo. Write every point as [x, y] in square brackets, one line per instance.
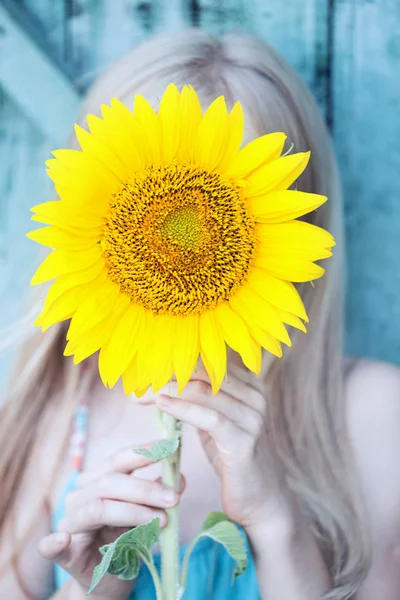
[102, 568]
[122, 557]
[226, 532]
[213, 518]
[220, 528]
[125, 563]
[160, 450]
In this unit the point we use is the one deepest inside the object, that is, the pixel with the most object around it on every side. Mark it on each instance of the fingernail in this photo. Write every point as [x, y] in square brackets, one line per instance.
[60, 537]
[169, 496]
[61, 525]
[164, 400]
[163, 519]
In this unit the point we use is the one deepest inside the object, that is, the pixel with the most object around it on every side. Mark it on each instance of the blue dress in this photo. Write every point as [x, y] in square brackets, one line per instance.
[210, 573]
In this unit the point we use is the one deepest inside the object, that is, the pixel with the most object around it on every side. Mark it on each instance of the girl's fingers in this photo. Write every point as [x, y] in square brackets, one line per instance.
[99, 513]
[118, 486]
[246, 418]
[232, 387]
[182, 485]
[55, 546]
[124, 461]
[238, 383]
[223, 430]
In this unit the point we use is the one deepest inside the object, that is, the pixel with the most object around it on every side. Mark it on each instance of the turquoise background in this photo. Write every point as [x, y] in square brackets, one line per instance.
[348, 51]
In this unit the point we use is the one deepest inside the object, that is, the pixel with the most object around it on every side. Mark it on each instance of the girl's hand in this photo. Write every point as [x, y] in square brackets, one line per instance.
[105, 503]
[233, 429]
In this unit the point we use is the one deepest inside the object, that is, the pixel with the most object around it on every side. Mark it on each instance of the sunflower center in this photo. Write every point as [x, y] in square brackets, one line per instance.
[178, 239]
[183, 227]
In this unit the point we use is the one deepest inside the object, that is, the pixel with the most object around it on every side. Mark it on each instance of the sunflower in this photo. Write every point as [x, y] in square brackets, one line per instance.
[171, 242]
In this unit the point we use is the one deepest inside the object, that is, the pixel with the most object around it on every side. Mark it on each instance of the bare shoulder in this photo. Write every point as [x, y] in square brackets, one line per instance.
[373, 411]
[372, 378]
[373, 399]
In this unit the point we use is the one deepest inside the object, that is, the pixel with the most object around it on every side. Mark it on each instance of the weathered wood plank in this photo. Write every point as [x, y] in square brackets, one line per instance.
[367, 133]
[33, 80]
[217, 16]
[299, 31]
[23, 183]
[99, 33]
[50, 16]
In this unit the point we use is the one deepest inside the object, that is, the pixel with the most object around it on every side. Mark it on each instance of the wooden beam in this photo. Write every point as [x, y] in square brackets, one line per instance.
[33, 77]
[366, 131]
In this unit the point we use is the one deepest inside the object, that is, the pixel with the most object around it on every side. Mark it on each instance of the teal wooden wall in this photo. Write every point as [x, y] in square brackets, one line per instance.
[348, 51]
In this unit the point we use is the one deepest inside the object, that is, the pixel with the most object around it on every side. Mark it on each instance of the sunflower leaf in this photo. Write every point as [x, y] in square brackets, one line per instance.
[161, 449]
[102, 568]
[221, 529]
[122, 557]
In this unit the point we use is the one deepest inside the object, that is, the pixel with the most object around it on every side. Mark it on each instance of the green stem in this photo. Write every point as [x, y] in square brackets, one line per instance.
[170, 533]
[156, 578]
[185, 564]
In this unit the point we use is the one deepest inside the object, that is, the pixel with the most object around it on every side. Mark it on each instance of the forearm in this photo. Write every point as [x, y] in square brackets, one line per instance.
[73, 591]
[289, 564]
[70, 591]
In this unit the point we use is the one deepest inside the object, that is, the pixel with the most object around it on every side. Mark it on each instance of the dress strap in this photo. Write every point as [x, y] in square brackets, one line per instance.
[79, 436]
[79, 431]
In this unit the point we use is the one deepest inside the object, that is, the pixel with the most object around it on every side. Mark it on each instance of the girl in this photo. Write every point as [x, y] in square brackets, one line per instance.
[304, 457]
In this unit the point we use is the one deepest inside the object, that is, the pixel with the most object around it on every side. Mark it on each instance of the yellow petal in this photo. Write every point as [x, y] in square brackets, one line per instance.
[238, 337]
[258, 152]
[59, 309]
[95, 338]
[263, 313]
[97, 147]
[135, 143]
[212, 135]
[261, 336]
[295, 234]
[266, 341]
[54, 237]
[117, 134]
[277, 175]
[190, 118]
[106, 132]
[102, 362]
[290, 268]
[95, 274]
[212, 349]
[292, 320]
[278, 207]
[135, 381]
[82, 180]
[287, 250]
[58, 212]
[59, 262]
[234, 137]
[62, 218]
[281, 294]
[161, 356]
[106, 301]
[168, 116]
[122, 345]
[151, 125]
[63, 308]
[186, 349]
[142, 361]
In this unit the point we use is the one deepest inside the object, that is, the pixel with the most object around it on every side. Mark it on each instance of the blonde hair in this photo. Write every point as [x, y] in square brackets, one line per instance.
[306, 403]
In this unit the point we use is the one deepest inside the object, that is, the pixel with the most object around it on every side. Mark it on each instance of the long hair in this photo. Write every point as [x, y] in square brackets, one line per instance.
[306, 402]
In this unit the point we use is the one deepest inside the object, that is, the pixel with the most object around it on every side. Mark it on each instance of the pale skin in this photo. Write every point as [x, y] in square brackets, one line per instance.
[233, 459]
